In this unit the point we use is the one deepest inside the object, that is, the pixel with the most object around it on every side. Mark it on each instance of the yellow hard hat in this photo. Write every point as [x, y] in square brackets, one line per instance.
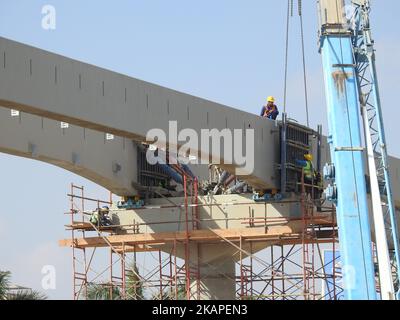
[308, 157]
[271, 99]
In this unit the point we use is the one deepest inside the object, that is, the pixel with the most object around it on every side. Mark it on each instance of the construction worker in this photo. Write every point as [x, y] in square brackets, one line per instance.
[105, 218]
[270, 111]
[94, 218]
[308, 168]
[100, 217]
[310, 176]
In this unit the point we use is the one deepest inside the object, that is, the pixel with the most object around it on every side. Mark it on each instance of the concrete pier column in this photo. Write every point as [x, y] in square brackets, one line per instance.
[216, 266]
[218, 281]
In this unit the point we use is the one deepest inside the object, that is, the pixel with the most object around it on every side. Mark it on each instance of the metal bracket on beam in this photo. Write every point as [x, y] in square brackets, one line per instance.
[349, 149]
[344, 66]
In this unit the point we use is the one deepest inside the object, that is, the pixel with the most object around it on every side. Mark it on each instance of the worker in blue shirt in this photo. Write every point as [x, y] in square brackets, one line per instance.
[270, 111]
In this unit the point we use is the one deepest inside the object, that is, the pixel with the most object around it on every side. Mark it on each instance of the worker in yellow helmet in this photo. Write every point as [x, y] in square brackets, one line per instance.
[308, 168]
[270, 110]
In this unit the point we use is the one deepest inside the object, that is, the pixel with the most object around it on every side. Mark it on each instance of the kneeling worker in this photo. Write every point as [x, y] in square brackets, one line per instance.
[100, 217]
[270, 111]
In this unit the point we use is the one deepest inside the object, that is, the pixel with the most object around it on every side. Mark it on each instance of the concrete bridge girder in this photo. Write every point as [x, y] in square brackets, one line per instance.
[81, 151]
[55, 87]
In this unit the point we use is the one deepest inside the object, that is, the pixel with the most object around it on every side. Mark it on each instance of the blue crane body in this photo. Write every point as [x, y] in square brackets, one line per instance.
[352, 95]
[349, 178]
[347, 173]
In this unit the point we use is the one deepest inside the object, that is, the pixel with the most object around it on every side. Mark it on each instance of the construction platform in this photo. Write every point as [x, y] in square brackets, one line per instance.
[260, 250]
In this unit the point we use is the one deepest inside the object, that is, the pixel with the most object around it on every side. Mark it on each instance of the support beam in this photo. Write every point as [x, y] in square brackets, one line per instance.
[195, 235]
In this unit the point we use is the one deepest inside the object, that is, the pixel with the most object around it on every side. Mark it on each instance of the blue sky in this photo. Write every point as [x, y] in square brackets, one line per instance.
[229, 51]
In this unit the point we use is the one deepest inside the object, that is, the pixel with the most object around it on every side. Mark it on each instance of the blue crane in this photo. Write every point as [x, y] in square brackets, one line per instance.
[351, 85]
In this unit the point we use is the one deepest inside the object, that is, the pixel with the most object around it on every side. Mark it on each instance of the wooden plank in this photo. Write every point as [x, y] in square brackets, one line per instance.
[169, 237]
[86, 226]
[132, 249]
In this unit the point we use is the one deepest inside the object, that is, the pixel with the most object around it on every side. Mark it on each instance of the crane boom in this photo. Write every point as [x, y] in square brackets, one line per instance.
[347, 173]
[381, 188]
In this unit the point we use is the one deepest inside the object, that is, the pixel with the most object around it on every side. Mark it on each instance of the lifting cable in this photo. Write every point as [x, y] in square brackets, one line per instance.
[304, 60]
[289, 15]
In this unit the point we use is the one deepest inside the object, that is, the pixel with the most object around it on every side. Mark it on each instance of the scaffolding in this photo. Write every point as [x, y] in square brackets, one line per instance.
[292, 267]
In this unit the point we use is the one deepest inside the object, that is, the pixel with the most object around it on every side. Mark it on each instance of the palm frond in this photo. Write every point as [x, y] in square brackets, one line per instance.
[26, 295]
[102, 291]
[5, 279]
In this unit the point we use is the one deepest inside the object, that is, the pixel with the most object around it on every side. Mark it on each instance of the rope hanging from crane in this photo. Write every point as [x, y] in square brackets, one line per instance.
[290, 13]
